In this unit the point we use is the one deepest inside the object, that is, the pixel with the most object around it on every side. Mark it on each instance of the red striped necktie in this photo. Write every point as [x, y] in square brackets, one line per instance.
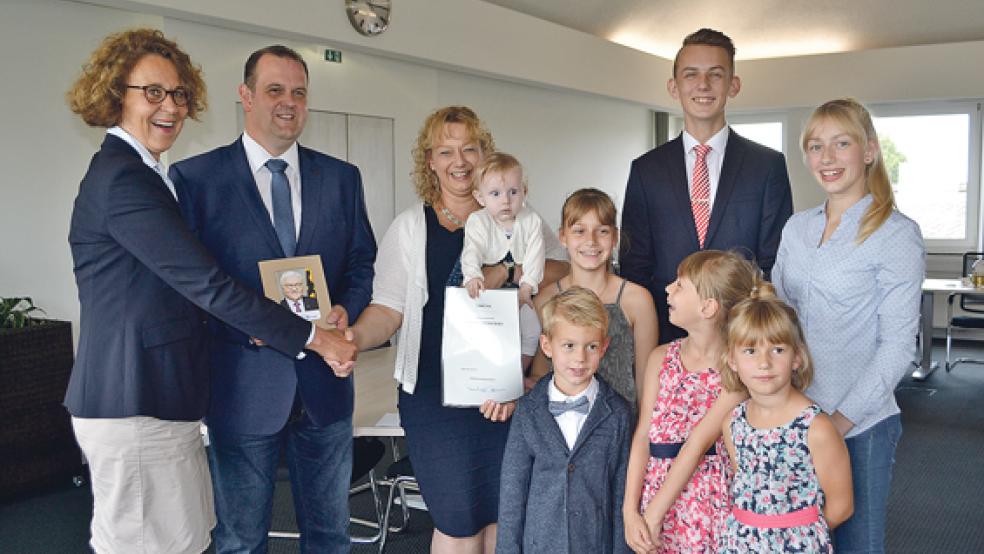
[700, 193]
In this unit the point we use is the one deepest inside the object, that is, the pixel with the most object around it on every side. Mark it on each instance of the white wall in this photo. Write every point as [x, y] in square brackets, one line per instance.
[44, 149]
[567, 139]
[573, 107]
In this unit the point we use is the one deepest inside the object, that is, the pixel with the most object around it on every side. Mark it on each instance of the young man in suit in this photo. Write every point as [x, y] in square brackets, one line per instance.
[709, 188]
[263, 197]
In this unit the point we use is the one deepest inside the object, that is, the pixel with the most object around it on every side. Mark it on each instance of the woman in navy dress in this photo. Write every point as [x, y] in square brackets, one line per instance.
[456, 452]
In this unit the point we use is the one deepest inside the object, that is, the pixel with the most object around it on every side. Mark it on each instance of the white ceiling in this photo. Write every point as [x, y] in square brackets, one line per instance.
[767, 28]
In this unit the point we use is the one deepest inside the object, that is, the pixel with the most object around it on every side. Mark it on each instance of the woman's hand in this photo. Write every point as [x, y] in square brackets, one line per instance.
[497, 411]
[474, 287]
[842, 424]
[637, 534]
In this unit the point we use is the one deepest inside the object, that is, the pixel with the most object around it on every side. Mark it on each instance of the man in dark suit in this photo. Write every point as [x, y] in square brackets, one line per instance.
[708, 188]
[263, 197]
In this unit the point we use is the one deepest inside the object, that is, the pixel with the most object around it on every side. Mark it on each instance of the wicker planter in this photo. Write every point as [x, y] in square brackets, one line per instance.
[36, 438]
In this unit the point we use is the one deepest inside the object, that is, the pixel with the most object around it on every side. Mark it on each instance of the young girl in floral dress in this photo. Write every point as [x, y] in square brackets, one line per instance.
[792, 480]
[676, 493]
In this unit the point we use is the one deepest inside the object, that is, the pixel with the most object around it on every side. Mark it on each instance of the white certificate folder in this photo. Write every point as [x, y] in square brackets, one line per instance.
[480, 354]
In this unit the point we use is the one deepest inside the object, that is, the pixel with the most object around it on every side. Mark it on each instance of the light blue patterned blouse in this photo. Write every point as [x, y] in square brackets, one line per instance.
[858, 304]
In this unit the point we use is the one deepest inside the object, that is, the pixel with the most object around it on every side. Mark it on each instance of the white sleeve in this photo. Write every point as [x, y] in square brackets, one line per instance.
[476, 242]
[529, 330]
[533, 257]
[393, 265]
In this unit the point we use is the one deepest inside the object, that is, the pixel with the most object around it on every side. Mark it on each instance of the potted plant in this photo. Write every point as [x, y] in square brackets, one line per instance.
[36, 436]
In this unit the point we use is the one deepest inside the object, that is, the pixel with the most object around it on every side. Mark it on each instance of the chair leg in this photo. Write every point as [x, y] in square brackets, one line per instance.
[377, 508]
[396, 487]
[949, 340]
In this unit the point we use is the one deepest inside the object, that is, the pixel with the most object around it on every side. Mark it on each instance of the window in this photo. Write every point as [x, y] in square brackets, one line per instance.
[768, 133]
[764, 128]
[932, 153]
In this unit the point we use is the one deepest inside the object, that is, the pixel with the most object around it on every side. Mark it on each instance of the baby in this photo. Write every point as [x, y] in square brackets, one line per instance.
[505, 231]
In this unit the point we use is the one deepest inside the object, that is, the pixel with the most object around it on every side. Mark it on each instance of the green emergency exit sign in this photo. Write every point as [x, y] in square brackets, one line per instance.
[333, 55]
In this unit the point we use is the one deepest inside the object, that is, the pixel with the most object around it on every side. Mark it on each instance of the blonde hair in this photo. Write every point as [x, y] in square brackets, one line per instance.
[97, 95]
[497, 163]
[763, 317]
[578, 306]
[854, 118]
[726, 277]
[434, 128]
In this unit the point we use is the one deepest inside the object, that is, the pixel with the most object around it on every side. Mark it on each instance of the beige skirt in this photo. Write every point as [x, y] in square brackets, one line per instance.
[150, 483]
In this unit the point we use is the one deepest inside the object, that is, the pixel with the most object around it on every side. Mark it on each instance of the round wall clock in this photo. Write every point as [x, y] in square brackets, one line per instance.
[369, 17]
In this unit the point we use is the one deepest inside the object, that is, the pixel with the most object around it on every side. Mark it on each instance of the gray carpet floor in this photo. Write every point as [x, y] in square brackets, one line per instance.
[936, 505]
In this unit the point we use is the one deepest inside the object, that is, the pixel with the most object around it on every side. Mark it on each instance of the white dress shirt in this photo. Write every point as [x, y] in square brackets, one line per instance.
[715, 159]
[257, 156]
[570, 422]
[145, 155]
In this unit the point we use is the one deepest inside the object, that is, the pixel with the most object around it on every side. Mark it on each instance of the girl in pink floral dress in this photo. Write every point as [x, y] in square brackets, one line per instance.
[792, 480]
[676, 493]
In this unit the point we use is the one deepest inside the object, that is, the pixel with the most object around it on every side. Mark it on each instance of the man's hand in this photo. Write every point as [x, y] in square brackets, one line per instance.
[338, 317]
[333, 345]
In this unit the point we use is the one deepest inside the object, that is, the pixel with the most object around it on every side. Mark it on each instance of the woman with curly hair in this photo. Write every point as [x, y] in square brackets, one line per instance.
[139, 385]
[456, 452]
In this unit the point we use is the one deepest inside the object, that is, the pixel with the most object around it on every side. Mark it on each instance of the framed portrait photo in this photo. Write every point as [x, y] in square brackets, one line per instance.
[298, 284]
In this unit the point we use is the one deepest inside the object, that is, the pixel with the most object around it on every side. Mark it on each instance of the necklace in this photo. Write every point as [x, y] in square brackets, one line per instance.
[451, 217]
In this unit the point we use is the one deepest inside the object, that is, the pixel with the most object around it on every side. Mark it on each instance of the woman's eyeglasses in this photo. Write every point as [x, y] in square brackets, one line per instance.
[155, 94]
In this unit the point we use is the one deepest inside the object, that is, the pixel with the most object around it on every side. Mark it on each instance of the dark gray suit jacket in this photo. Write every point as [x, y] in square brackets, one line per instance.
[554, 499]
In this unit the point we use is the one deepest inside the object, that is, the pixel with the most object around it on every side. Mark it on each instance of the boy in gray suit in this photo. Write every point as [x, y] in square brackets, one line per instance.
[563, 474]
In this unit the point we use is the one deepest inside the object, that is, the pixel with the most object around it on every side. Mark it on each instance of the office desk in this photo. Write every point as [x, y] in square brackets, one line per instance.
[375, 394]
[930, 286]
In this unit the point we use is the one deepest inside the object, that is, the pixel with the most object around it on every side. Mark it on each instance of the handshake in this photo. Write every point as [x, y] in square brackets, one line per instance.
[336, 346]
[338, 349]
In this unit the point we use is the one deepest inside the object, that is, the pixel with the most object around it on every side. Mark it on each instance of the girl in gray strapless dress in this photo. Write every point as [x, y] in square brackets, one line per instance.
[589, 233]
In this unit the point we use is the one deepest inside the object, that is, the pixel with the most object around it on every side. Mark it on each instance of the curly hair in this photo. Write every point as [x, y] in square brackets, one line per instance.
[97, 95]
[425, 180]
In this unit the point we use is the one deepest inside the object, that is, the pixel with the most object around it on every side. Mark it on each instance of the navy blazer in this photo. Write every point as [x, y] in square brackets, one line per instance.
[141, 273]
[752, 203]
[253, 388]
[554, 499]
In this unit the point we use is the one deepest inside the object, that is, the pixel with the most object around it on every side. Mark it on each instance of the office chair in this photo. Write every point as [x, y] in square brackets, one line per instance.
[971, 303]
[399, 477]
[366, 454]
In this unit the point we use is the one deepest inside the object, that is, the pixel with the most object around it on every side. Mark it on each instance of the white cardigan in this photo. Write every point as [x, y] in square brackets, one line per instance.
[486, 243]
[400, 284]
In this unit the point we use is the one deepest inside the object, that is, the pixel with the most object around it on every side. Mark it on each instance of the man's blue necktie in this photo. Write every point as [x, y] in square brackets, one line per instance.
[283, 211]
[557, 407]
